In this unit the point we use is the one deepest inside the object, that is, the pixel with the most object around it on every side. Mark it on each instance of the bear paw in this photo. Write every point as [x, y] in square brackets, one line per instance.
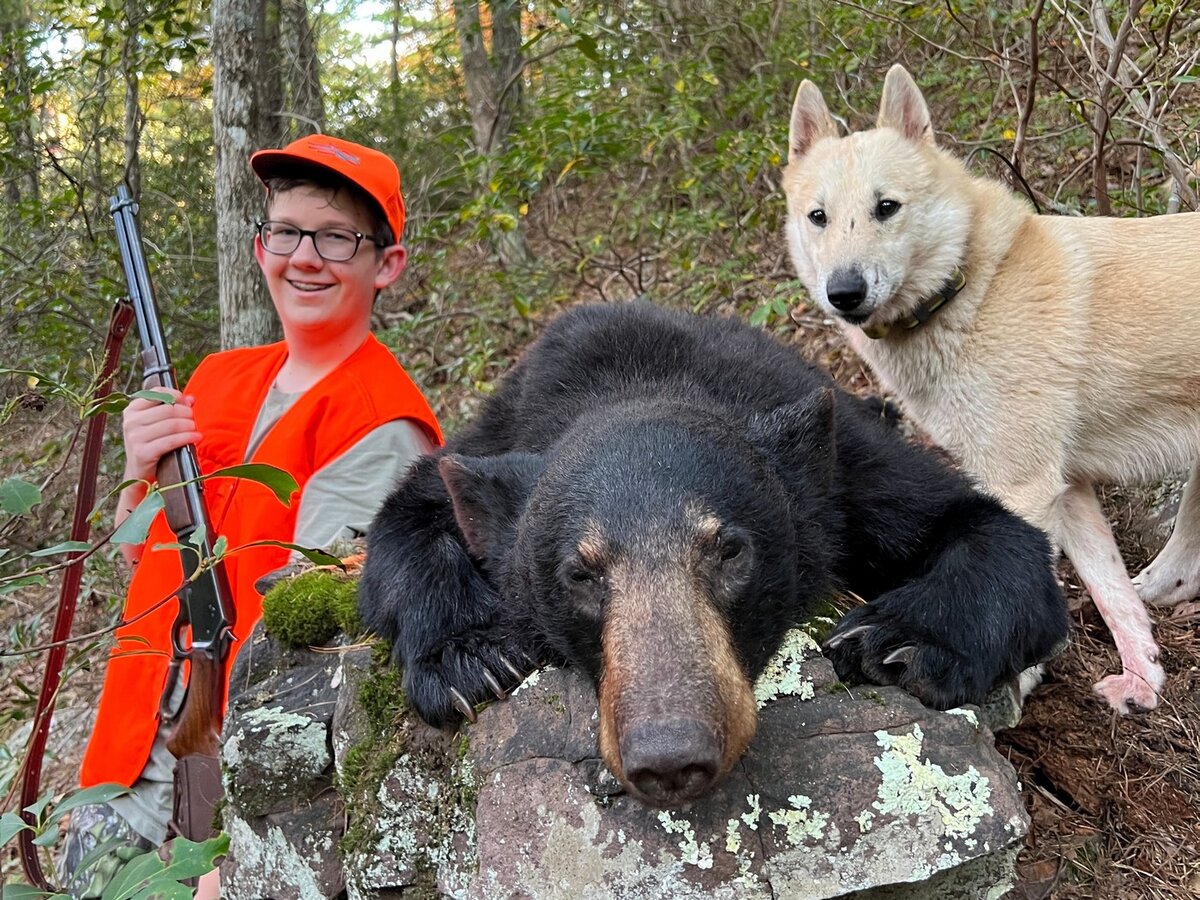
[876, 645]
[459, 673]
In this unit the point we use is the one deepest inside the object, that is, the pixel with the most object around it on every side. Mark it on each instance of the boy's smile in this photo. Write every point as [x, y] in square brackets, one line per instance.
[322, 300]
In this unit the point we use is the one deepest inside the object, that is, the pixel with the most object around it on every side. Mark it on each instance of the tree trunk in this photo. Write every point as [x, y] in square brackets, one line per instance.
[301, 72]
[247, 316]
[271, 91]
[19, 171]
[493, 86]
[133, 113]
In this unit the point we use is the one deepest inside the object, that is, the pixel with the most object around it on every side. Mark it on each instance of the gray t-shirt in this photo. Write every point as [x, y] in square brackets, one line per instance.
[338, 501]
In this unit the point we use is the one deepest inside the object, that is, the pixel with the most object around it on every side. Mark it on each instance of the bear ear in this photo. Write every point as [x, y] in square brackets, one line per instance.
[810, 120]
[799, 436]
[903, 107]
[488, 494]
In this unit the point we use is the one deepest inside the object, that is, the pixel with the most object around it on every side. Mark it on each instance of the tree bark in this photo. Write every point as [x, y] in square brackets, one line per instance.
[247, 316]
[301, 70]
[272, 95]
[493, 86]
[133, 113]
[20, 171]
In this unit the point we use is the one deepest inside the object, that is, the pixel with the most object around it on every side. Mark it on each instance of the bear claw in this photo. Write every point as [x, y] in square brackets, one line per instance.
[903, 655]
[516, 673]
[461, 704]
[490, 680]
[837, 640]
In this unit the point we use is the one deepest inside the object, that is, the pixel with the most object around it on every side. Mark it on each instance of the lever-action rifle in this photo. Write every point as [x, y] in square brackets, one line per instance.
[205, 601]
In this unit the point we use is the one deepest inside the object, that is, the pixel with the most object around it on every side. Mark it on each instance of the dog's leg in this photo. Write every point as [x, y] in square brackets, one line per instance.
[1083, 532]
[1174, 575]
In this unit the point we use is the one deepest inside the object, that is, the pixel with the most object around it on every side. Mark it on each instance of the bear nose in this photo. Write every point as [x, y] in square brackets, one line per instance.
[670, 762]
[846, 289]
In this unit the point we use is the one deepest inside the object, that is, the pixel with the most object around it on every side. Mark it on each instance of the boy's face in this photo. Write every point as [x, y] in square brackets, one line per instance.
[313, 297]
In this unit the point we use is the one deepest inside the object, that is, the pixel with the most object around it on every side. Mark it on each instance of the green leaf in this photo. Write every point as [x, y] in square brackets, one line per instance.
[16, 584]
[18, 498]
[135, 528]
[100, 793]
[160, 396]
[134, 876]
[47, 838]
[564, 16]
[38, 806]
[25, 892]
[109, 406]
[65, 547]
[317, 557]
[147, 876]
[10, 826]
[279, 481]
[586, 45]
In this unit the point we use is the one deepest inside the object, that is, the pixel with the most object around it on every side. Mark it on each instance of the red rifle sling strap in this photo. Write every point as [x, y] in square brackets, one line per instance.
[31, 770]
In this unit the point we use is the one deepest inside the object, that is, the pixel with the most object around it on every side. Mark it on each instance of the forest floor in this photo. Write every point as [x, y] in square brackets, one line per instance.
[1114, 800]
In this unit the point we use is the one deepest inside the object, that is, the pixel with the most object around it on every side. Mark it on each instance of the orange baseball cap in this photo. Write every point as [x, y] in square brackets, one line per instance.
[370, 170]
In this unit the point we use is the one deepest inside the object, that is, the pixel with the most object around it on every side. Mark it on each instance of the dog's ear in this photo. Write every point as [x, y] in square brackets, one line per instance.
[810, 120]
[488, 494]
[903, 107]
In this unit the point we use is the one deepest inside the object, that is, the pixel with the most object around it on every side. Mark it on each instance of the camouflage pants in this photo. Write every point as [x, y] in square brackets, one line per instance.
[98, 844]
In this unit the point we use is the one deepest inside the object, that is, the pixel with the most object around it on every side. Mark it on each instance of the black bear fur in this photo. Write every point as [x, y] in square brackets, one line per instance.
[656, 498]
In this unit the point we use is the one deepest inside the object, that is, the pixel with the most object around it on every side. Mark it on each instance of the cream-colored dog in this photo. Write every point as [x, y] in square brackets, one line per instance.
[1046, 353]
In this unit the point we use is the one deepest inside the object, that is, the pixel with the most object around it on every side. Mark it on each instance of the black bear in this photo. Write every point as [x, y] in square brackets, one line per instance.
[656, 498]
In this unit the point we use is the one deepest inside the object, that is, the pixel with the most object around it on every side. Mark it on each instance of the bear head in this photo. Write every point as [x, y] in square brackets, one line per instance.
[665, 548]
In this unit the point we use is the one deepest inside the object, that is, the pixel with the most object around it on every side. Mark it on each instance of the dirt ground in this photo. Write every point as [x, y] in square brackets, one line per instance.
[1114, 801]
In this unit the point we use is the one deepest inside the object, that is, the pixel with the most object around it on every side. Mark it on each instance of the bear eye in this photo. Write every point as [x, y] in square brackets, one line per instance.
[885, 209]
[730, 549]
[817, 217]
[576, 574]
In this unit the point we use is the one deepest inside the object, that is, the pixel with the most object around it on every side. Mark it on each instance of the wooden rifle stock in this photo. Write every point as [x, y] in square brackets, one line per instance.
[198, 725]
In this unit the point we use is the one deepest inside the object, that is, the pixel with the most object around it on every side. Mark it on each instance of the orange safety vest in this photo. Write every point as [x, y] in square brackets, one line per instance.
[367, 390]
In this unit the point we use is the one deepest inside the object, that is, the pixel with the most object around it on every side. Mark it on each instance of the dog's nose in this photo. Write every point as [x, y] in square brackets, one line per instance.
[846, 289]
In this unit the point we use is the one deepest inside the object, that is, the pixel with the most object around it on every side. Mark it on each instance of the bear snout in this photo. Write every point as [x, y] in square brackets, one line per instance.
[677, 709]
[671, 761]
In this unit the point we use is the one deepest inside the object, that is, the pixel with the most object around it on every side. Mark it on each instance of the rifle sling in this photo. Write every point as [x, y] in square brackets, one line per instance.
[85, 498]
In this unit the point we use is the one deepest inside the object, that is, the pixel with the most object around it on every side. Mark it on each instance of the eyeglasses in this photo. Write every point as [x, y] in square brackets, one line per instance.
[332, 244]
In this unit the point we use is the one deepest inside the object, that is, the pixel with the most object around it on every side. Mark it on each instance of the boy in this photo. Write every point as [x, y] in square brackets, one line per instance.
[329, 404]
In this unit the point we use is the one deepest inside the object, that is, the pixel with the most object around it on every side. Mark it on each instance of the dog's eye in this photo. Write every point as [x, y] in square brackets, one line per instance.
[817, 217]
[885, 209]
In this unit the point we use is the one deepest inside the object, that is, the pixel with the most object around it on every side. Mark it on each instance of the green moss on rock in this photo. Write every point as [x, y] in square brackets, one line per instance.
[381, 696]
[310, 609]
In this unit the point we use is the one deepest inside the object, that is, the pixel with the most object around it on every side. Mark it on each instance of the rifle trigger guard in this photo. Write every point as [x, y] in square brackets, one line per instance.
[178, 654]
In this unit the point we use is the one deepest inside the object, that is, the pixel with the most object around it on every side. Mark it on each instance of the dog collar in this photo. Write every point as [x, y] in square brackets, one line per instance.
[925, 309]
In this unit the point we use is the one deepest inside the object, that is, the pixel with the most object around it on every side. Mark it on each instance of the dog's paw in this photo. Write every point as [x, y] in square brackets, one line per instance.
[1132, 691]
[446, 683]
[878, 645]
[1161, 584]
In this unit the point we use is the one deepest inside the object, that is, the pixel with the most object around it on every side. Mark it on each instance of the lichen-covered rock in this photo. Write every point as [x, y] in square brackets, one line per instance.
[842, 793]
[281, 811]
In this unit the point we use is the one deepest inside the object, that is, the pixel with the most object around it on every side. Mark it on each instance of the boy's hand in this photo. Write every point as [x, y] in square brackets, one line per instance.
[152, 429]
